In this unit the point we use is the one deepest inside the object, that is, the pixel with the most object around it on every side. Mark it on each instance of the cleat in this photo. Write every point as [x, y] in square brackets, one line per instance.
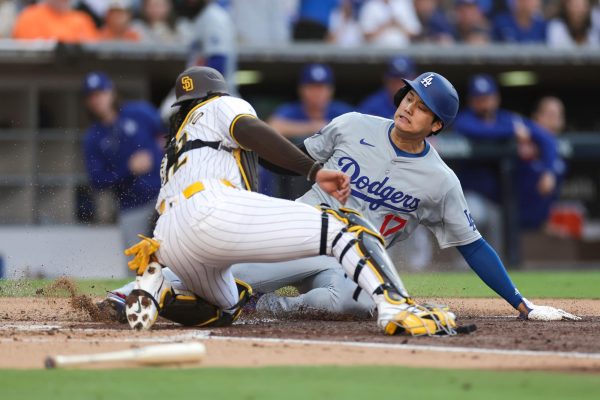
[146, 300]
[252, 305]
[415, 320]
[112, 307]
[269, 304]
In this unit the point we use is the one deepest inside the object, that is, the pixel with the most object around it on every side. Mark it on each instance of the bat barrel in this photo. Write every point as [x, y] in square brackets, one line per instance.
[172, 353]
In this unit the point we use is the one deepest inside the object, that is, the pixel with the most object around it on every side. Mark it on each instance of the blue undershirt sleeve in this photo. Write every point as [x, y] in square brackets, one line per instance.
[482, 259]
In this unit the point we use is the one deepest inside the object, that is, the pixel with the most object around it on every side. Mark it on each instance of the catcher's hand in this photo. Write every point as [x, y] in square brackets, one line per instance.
[334, 183]
[143, 254]
[547, 313]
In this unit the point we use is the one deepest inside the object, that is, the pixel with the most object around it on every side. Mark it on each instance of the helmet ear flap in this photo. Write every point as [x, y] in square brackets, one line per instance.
[400, 95]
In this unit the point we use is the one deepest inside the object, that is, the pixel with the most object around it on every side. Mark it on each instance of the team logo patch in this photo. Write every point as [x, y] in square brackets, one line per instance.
[187, 83]
[470, 219]
[427, 80]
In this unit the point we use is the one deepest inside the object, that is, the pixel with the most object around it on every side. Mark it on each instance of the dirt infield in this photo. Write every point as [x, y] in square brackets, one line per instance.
[33, 328]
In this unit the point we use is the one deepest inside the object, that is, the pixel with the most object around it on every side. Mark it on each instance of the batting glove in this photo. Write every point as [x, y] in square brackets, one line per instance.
[547, 313]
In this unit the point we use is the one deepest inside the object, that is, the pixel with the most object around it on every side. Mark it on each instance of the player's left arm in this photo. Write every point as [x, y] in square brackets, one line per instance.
[482, 258]
[458, 227]
[253, 134]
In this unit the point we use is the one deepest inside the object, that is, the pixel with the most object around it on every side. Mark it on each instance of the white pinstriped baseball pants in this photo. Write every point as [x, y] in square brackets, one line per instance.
[201, 237]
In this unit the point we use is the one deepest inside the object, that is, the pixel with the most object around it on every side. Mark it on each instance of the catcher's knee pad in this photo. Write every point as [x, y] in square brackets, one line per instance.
[427, 320]
[188, 309]
[370, 246]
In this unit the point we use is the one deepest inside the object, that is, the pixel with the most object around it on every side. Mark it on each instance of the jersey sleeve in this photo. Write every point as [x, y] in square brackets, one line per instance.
[454, 225]
[230, 111]
[322, 144]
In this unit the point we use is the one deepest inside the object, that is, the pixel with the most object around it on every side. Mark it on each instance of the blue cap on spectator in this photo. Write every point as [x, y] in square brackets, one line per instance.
[482, 84]
[401, 67]
[95, 81]
[316, 73]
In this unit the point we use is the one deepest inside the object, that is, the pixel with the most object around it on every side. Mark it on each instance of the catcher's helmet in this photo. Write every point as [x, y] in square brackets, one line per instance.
[198, 83]
[436, 92]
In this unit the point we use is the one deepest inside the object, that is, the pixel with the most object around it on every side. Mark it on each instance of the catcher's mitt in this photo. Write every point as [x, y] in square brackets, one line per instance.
[419, 320]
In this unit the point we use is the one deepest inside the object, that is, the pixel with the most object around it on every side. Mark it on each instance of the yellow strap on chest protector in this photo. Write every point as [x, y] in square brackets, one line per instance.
[193, 189]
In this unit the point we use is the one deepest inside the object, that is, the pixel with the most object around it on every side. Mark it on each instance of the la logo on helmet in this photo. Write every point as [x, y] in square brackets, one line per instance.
[427, 80]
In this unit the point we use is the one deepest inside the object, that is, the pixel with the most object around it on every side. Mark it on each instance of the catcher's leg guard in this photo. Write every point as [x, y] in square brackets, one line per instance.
[186, 308]
[367, 253]
[363, 256]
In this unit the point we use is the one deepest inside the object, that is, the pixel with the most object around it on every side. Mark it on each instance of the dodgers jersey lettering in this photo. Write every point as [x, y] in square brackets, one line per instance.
[209, 121]
[396, 193]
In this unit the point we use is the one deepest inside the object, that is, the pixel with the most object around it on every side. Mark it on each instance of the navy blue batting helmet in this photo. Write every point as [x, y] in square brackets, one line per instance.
[436, 92]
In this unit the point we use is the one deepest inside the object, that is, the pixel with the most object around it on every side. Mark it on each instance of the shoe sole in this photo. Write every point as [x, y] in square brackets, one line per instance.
[138, 308]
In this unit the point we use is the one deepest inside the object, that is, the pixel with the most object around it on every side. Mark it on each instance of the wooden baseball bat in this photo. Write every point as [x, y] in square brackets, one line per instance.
[151, 355]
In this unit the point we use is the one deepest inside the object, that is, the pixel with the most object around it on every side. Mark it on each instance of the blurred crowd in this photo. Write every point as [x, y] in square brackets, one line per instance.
[347, 23]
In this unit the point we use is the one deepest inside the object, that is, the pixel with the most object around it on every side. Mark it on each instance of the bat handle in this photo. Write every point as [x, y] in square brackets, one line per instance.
[50, 363]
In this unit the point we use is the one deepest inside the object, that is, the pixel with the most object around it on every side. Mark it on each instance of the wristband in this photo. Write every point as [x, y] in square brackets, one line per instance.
[312, 173]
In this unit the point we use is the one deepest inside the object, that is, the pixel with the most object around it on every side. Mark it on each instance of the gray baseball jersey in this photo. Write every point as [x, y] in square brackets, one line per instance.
[394, 190]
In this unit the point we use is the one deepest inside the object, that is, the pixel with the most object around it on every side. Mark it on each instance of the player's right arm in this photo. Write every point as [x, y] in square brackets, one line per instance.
[319, 147]
[253, 134]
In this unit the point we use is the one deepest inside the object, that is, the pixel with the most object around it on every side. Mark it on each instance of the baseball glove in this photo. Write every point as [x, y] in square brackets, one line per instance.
[428, 319]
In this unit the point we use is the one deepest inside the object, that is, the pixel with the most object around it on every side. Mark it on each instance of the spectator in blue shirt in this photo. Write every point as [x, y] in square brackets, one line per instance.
[537, 195]
[471, 24]
[483, 119]
[524, 24]
[316, 107]
[300, 119]
[381, 103]
[435, 27]
[122, 153]
[313, 19]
